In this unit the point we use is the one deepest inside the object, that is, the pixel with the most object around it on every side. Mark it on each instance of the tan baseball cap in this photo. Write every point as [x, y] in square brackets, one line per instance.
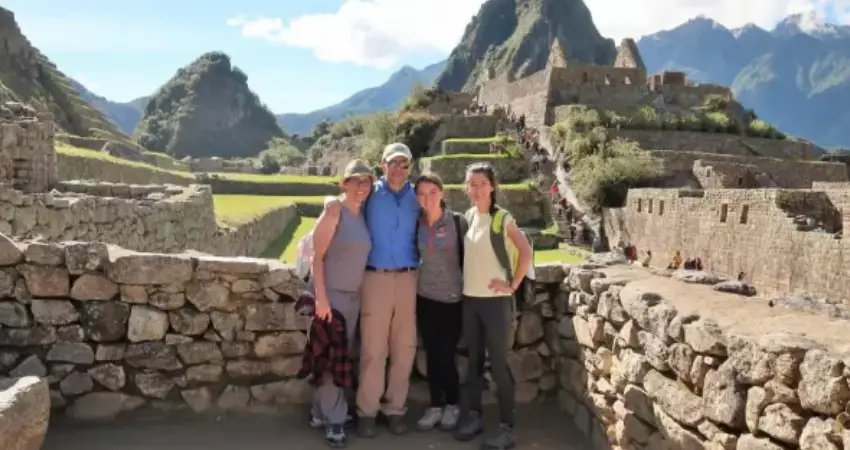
[395, 150]
[357, 168]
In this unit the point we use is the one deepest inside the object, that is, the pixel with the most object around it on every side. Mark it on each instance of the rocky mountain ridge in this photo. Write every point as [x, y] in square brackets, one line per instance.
[27, 76]
[796, 75]
[514, 37]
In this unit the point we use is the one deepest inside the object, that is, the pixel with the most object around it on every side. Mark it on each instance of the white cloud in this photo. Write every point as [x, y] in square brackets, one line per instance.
[378, 32]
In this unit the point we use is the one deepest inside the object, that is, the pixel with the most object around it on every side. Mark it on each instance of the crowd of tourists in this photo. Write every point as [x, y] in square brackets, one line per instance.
[389, 259]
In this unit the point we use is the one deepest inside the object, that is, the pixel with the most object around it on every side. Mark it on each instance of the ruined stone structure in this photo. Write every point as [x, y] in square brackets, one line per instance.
[563, 82]
[634, 360]
[27, 158]
[34, 204]
[785, 241]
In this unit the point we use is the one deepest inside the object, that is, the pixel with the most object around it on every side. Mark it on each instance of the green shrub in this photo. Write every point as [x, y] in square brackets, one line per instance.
[603, 178]
[762, 129]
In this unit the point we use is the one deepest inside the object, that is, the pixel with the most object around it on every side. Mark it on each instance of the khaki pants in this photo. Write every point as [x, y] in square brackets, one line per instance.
[387, 329]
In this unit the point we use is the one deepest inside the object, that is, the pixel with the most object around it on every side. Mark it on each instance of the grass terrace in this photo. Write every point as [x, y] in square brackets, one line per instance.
[285, 246]
[78, 152]
[487, 140]
[277, 178]
[234, 210]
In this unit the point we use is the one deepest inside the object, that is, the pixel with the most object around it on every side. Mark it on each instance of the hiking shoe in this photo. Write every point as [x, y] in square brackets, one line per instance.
[335, 436]
[430, 419]
[366, 427]
[503, 439]
[451, 414]
[396, 424]
[469, 426]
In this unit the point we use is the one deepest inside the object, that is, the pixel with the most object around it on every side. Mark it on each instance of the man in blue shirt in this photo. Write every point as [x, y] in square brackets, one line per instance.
[388, 311]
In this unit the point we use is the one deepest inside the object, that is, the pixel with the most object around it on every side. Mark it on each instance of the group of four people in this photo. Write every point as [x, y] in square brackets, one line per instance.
[392, 256]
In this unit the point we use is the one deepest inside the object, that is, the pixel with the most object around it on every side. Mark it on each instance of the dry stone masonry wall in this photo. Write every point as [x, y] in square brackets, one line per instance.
[27, 159]
[646, 364]
[111, 330]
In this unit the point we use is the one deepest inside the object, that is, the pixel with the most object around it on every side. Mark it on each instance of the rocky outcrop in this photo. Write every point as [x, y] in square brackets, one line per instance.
[29, 77]
[24, 413]
[514, 37]
[207, 109]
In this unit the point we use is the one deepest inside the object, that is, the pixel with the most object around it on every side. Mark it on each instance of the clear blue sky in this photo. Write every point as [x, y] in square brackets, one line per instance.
[307, 54]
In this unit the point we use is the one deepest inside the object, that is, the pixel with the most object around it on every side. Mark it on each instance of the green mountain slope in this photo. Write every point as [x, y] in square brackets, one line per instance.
[796, 76]
[514, 37]
[27, 76]
[124, 115]
[207, 109]
[386, 97]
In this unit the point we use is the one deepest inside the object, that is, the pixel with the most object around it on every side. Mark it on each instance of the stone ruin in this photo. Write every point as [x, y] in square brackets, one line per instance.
[34, 204]
[27, 157]
[92, 332]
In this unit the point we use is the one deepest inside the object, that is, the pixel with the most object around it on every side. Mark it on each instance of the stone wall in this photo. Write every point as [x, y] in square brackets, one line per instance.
[112, 330]
[24, 412]
[649, 362]
[526, 205]
[27, 159]
[727, 144]
[452, 168]
[731, 170]
[73, 167]
[754, 231]
[166, 218]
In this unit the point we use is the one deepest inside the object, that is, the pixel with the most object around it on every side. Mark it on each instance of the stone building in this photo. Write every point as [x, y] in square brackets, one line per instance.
[565, 82]
[27, 157]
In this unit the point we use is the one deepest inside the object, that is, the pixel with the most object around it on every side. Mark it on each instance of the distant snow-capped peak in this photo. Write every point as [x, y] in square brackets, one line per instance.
[811, 23]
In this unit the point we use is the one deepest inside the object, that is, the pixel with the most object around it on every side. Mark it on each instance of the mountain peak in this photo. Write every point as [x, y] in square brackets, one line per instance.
[514, 38]
[810, 23]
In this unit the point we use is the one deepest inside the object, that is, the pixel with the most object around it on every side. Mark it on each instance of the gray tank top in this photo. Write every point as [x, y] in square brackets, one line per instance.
[345, 260]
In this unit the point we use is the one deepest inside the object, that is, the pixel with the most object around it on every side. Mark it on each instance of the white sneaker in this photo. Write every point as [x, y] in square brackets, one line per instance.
[451, 413]
[432, 417]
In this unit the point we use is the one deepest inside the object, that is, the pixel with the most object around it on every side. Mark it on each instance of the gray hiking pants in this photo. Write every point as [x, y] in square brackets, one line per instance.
[487, 326]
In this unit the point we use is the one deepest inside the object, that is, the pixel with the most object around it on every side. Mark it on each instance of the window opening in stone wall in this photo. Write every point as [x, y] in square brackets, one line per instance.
[660, 207]
[627, 81]
[649, 209]
[724, 211]
[585, 78]
[640, 205]
[607, 80]
[745, 213]
[740, 181]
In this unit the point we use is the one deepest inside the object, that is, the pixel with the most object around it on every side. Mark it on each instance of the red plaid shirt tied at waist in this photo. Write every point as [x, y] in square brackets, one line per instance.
[327, 351]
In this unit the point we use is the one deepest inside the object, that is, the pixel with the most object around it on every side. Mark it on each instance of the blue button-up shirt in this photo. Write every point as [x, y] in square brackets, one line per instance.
[391, 218]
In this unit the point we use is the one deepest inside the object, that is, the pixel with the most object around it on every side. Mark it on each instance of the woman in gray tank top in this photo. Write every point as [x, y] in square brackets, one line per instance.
[341, 245]
[438, 307]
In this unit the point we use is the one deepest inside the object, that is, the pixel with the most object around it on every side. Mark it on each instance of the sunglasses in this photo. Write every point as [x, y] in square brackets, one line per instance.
[398, 165]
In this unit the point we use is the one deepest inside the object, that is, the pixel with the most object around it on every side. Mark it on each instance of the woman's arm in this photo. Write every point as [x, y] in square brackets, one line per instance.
[322, 235]
[521, 243]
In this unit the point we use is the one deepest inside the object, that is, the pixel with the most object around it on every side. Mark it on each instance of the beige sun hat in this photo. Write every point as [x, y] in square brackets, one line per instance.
[357, 168]
[395, 150]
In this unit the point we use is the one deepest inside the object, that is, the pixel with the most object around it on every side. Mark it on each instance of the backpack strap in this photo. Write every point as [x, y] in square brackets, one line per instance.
[497, 239]
[460, 228]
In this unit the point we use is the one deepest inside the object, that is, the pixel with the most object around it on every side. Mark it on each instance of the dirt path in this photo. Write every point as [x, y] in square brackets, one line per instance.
[542, 427]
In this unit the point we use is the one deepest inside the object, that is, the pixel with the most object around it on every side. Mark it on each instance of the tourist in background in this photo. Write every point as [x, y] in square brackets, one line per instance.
[388, 311]
[341, 246]
[438, 305]
[488, 303]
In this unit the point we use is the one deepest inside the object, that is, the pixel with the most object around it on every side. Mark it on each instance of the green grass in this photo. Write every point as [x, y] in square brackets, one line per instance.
[260, 178]
[234, 210]
[487, 140]
[69, 150]
[556, 255]
[285, 246]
